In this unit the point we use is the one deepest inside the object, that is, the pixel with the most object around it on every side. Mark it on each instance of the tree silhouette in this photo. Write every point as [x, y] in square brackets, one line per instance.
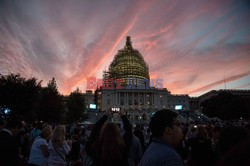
[50, 103]
[19, 95]
[76, 106]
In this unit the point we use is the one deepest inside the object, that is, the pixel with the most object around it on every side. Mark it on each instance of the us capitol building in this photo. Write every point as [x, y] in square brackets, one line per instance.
[133, 93]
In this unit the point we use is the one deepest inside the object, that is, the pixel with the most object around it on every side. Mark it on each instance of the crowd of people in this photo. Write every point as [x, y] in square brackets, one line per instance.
[165, 141]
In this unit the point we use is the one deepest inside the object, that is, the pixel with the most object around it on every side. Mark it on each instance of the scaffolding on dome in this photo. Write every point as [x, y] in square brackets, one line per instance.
[127, 64]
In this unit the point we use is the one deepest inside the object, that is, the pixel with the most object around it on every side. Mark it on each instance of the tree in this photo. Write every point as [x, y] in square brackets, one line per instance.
[76, 106]
[50, 106]
[225, 106]
[53, 86]
[19, 95]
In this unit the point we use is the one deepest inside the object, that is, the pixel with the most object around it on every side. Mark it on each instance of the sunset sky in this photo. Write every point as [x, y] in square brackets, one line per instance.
[193, 45]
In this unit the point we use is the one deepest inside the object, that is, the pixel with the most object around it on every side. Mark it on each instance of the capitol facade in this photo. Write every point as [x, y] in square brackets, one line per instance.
[127, 85]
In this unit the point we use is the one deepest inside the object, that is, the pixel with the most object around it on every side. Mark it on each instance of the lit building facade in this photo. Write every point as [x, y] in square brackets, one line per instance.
[89, 98]
[127, 86]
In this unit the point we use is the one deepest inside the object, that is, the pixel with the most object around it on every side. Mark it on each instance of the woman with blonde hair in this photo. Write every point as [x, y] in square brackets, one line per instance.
[39, 151]
[58, 147]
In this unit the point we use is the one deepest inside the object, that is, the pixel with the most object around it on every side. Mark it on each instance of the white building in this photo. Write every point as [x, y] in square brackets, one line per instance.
[139, 102]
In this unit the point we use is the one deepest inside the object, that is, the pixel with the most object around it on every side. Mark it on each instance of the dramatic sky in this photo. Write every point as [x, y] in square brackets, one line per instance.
[193, 45]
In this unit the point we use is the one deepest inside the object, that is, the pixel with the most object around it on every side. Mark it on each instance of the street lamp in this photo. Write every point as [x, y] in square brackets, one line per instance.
[96, 117]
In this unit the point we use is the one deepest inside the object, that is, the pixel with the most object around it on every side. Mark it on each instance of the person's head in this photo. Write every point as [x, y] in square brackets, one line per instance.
[58, 135]
[14, 126]
[39, 125]
[164, 124]
[111, 142]
[111, 133]
[138, 127]
[201, 132]
[23, 124]
[46, 132]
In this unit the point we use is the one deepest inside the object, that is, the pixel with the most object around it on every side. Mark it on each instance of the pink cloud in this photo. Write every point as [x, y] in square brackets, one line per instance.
[189, 44]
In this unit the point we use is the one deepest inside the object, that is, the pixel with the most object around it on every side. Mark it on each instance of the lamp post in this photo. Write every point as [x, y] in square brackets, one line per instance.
[96, 115]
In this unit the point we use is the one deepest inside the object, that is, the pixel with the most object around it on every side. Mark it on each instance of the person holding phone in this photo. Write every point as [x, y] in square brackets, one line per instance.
[106, 145]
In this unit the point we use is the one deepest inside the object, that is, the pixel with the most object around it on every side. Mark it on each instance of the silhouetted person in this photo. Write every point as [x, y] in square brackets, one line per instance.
[139, 134]
[9, 149]
[135, 152]
[39, 150]
[106, 145]
[231, 136]
[233, 146]
[201, 148]
[35, 132]
[58, 147]
[239, 154]
[167, 135]
[75, 152]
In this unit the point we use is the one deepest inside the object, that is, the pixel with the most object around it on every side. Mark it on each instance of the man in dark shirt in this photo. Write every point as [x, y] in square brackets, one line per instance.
[9, 150]
[167, 134]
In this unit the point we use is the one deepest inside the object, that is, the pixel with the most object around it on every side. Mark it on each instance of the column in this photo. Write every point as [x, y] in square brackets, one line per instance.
[154, 99]
[138, 98]
[151, 94]
[127, 97]
[116, 100]
[133, 98]
[119, 98]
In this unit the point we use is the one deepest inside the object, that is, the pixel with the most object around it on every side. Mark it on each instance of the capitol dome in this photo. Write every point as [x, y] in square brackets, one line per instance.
[128, 63]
